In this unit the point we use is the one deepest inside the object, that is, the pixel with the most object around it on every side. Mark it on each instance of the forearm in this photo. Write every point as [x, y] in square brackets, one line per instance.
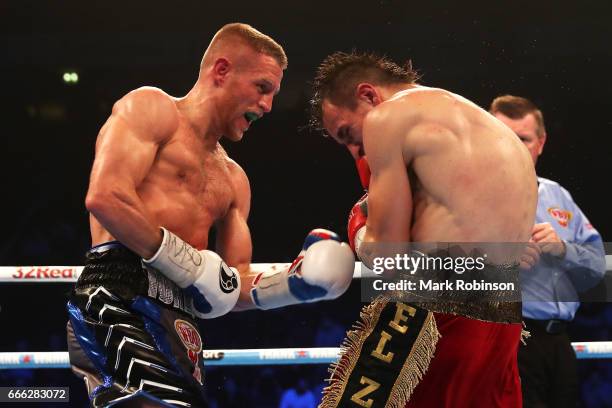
[365, 244]
[585, 264]
[248, 276]
[373, 247]
[125, 217]
[361, 239]
[235, 246]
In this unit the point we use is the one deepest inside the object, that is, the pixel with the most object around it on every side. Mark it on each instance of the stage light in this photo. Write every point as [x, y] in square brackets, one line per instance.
[70, 77]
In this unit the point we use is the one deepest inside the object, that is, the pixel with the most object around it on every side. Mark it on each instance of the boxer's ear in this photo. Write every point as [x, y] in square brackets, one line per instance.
[367, 93]
[221, 68]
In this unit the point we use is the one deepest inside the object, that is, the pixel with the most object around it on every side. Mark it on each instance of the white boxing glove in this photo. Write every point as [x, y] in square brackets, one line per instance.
[213, 286]
[323, 270]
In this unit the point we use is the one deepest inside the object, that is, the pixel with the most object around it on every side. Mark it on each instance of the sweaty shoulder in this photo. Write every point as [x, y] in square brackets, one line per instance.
[421, 107]
[420, 115]
[148, 111]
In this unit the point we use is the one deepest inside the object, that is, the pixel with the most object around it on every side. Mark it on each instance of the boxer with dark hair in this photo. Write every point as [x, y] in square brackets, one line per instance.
[442, 170]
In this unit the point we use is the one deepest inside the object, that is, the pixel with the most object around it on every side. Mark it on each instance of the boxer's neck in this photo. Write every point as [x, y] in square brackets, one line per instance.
[201, 109]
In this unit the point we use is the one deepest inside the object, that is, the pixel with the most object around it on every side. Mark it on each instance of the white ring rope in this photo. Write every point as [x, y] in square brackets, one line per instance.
[43, 359]
[44, 274]
[281, 356]
[71, 273]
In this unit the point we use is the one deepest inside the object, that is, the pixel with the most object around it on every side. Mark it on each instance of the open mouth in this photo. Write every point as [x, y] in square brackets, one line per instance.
[251, 117]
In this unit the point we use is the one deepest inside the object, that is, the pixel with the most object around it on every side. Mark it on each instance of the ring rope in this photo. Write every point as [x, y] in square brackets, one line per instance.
[282, 356]
[44, 274]
[242, 357]
[25, 274]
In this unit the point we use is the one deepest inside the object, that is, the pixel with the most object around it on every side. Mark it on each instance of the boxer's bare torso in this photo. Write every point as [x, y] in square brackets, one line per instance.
[469, 177]
[159, 182]
[189, 183]
[159, 163]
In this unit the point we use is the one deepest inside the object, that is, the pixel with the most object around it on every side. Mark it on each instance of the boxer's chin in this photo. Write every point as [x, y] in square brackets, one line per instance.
[234, 135]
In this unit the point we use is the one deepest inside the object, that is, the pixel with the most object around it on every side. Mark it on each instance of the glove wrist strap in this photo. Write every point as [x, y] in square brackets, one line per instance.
[176, 259]
[272, 291]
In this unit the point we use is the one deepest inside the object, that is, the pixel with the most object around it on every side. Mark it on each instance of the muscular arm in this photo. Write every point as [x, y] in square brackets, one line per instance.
[390, 197]
[234, 238]
[326, 266]
[125, 152]
[397, 134]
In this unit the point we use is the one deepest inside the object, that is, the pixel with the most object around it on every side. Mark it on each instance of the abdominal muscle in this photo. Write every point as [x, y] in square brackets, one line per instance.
[176, 207]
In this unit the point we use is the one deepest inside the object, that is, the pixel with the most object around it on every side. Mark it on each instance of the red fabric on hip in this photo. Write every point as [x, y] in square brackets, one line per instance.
[475, 365]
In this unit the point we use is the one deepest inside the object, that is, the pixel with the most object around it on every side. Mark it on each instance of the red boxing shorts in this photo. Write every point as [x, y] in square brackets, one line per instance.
[474, 365]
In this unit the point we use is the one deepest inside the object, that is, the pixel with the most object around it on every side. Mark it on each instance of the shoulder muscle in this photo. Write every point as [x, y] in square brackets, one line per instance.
[149, 112]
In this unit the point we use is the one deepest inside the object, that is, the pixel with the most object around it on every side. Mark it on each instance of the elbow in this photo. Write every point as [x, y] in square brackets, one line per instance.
[99, 202]
[94, 201]
[91, 202]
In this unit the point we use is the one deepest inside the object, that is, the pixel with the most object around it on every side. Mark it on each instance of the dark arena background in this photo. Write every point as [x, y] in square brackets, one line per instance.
[556, 53]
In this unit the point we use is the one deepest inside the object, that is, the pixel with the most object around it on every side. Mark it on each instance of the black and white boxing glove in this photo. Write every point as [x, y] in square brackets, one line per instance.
[213, 285]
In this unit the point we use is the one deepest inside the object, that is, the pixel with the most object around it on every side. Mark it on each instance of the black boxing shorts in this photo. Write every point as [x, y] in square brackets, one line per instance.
[131, 334]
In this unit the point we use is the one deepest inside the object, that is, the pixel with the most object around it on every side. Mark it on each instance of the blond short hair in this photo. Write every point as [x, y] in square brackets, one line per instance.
[250, 37]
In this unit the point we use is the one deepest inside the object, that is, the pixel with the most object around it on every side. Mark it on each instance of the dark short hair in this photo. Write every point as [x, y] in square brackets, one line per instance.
[339, 74]
[517, 107]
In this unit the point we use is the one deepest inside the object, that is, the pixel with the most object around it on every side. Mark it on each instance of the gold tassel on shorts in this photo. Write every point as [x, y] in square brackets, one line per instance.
[383, 357]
